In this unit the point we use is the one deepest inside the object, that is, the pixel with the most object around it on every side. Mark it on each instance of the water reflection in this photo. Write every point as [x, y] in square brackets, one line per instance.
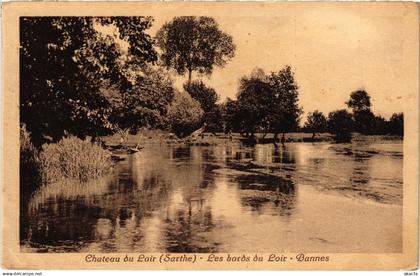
[202, 199]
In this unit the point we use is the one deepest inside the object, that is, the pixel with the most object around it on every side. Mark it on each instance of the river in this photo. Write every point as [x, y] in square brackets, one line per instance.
[304, 197]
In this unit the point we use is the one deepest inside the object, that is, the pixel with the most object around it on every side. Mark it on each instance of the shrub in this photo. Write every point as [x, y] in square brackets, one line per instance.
[396, 124]
[184, 114]
[29, 160]
[72, 158]
[340, 124]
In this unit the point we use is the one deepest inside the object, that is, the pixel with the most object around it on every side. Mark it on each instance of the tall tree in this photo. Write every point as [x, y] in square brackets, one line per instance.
[65, 63]
[192, 43]
[359, 101]
[360, 104]
[316, 122]
[285, 112]
[253, 104]
[269, 103]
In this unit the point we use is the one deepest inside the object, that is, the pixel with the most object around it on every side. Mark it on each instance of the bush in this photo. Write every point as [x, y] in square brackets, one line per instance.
[340, 124]
[72, 158]
[184, 114]
[29, 160]
[396, 124]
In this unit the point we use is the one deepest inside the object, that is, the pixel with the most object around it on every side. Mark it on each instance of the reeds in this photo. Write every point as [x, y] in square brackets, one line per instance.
[73, 158]
[29, 160]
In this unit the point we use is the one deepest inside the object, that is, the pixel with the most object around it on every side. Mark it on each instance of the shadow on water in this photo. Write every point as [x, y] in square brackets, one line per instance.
[261, 190]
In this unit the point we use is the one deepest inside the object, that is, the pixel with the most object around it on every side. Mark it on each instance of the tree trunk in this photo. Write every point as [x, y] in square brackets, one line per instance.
[283, 139]
[189, 77]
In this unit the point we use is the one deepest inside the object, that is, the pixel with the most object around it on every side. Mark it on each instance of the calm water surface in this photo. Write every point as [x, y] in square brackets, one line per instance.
[227, 198]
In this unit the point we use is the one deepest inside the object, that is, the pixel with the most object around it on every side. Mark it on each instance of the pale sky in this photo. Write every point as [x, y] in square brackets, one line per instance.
[333, 50]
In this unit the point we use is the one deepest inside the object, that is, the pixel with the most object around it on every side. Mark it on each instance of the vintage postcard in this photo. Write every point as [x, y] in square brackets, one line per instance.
[210, 135]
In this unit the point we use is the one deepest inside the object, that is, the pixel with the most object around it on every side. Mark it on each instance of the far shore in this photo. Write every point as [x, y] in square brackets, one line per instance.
[153, 137]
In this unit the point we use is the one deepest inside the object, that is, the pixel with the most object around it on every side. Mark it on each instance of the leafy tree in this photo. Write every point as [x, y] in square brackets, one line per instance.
[359, 101]
[192, 43]
[231, 116]
[284, 113]
[316, 122]
[340, 123]
[65, 64]
[396, 124]
[207, 97]
[214, 119]
[364, 121]
[380, 126]
[184, 114]
[145, 104]
[268, 103]
[253, 104]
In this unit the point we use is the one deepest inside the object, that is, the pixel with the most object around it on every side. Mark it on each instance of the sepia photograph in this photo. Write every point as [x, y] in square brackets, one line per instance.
[216, 132]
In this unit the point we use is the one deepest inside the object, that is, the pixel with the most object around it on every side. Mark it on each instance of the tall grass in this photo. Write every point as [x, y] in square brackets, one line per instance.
[73, 158]
[29, 161]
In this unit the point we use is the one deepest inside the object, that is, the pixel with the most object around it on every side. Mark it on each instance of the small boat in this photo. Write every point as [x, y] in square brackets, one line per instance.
[134, 150]
[117, 158]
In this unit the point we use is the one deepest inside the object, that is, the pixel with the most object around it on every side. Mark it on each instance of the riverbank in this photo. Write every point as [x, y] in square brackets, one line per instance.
[163, 137]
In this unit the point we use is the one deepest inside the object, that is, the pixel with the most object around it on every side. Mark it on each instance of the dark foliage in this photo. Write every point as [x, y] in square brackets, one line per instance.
[207, 97]
[184, 114]
[266, 103]
[316, 122]
[396, 124]
[340, 124]
[65, 63]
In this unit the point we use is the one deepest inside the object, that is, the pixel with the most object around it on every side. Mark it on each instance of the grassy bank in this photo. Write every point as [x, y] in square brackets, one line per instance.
[69, 159]
[72, 158]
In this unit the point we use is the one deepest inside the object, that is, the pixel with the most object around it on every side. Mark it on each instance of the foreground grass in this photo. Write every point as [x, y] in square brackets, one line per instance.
[69, 159]
[73, 158]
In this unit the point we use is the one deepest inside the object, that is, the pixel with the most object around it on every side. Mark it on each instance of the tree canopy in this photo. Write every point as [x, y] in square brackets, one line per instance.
[268, 103]
[340, 124]
[364, 119]
[316, 122]
[285, 110]
[192, 43]
[184, 114]
[207, 97]
[66, 64]
[396, 124]
[359, 101]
